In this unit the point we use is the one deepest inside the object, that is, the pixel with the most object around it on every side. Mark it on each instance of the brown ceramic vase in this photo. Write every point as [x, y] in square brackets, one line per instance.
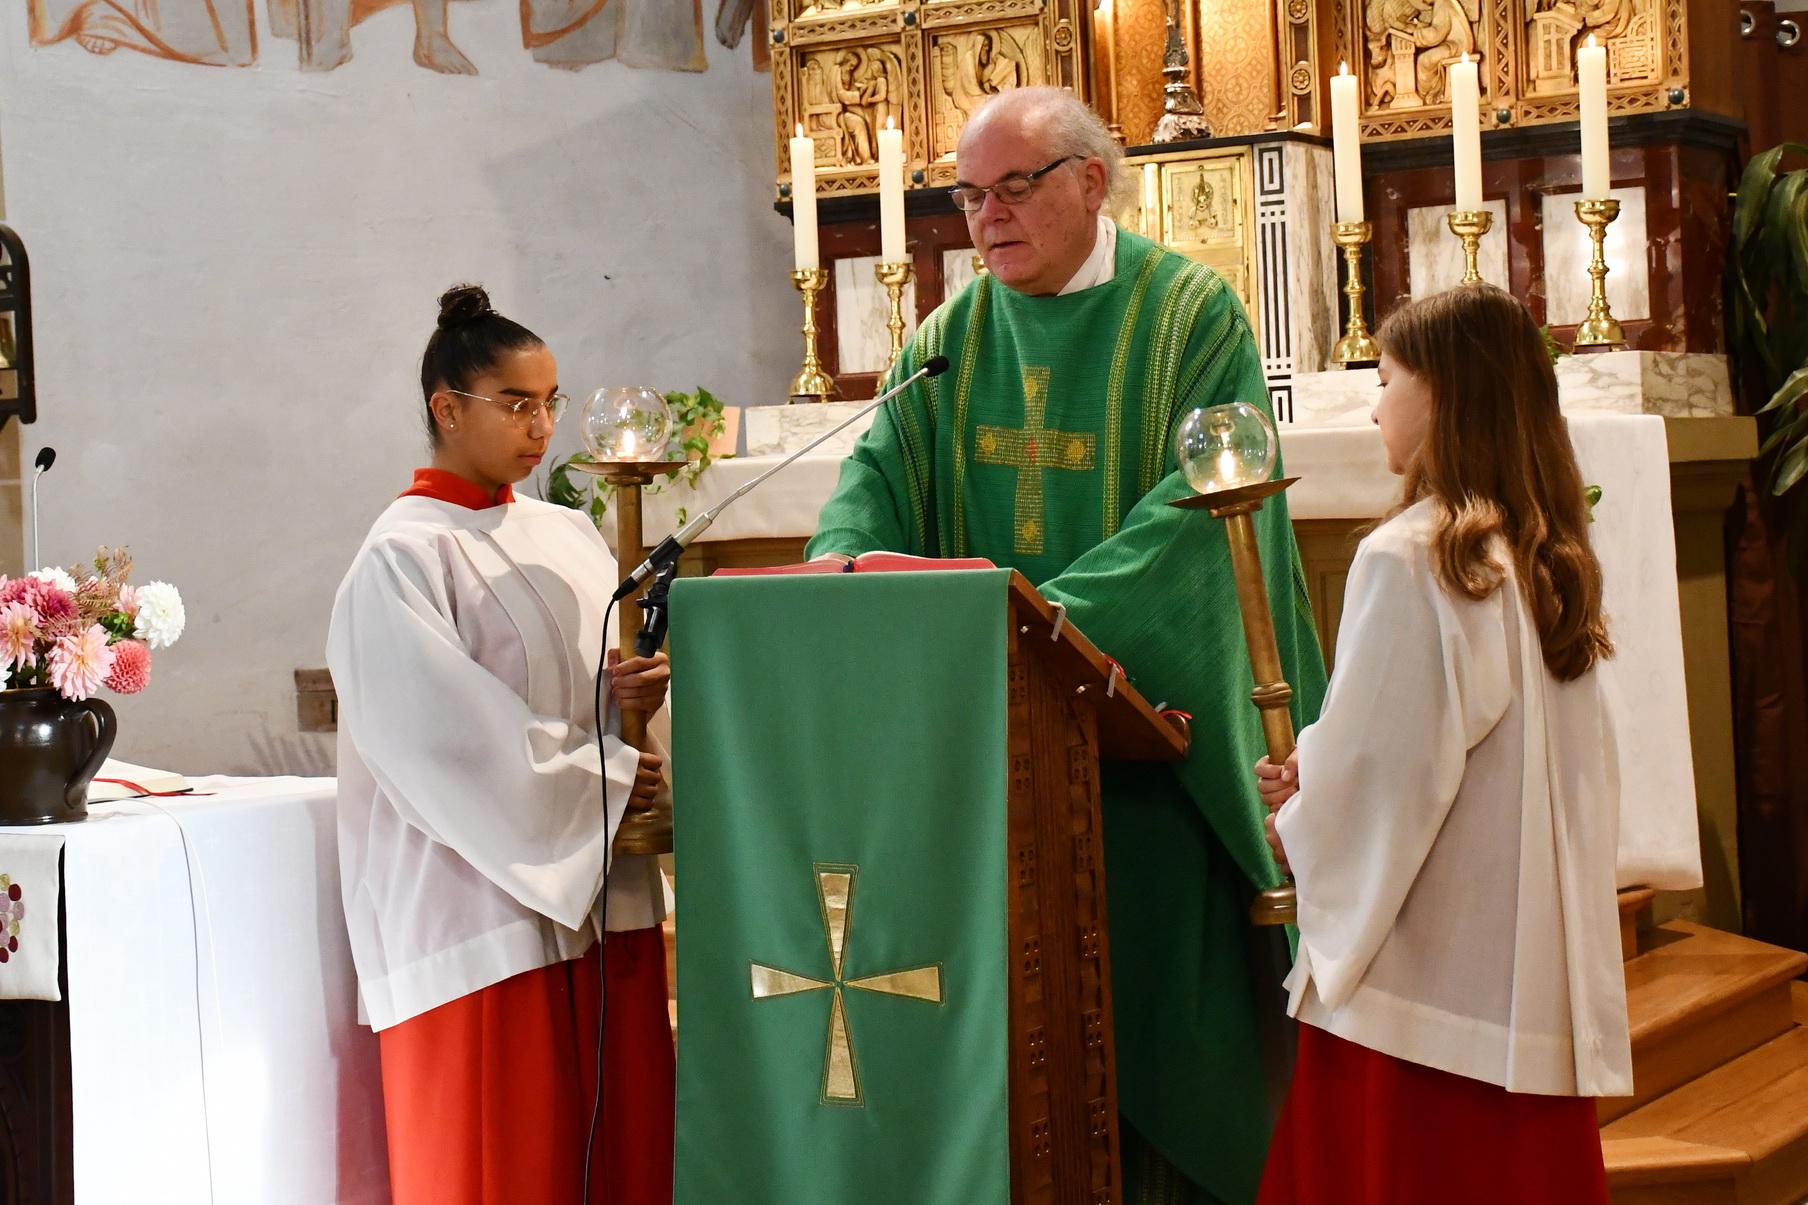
[50, 750]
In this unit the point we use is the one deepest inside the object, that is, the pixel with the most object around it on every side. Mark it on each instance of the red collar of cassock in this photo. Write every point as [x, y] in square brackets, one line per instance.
[450, 487]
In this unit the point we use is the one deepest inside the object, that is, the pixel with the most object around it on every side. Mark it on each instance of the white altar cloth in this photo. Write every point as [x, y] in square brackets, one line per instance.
[241, 1076]
[1343, 474]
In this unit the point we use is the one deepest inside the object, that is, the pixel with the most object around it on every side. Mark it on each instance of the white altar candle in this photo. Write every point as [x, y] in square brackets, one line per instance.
[1346, 145]
[803, 203]
[1466, 133]
[891, 193]
[1591, 84]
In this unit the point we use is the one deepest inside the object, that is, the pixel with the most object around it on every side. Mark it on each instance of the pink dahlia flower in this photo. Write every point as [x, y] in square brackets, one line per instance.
[131, 667]
[18, 635]
[79, 664]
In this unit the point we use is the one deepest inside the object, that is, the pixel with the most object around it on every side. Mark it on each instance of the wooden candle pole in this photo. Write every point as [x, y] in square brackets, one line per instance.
[1272, 696]
[643, 830]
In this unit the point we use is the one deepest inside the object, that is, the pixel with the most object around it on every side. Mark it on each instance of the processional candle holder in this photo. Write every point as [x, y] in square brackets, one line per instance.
[811, 384]
[1470, 225]
[1357, 347]
[1600, 328]
[1227, 454]
[626, 428]
[894, 277]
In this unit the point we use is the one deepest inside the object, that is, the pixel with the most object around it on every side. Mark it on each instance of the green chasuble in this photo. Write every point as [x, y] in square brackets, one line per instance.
[1048, 447]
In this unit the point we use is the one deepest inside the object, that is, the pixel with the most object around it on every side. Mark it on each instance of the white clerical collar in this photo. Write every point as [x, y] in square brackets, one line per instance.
[1101, 266]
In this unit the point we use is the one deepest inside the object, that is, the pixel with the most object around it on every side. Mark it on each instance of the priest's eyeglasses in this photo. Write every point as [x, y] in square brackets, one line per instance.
[526, 409]
[1012, 190]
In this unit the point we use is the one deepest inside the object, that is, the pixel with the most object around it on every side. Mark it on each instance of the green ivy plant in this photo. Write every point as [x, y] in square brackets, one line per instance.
[696, 419]
[1768, 282]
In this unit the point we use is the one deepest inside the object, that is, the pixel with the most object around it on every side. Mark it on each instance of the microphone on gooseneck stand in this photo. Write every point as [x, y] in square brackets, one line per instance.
[46, 458]
[672, 547]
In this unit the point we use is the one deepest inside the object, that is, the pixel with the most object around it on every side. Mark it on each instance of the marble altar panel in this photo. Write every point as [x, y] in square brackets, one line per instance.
[1296, 312]
[779, 430]
[1435, 256]
[957, 269]
[1672, 384]
[1567, 250]
[861, 311]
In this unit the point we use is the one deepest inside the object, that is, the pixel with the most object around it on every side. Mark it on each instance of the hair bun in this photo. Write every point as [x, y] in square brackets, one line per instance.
[461, 304]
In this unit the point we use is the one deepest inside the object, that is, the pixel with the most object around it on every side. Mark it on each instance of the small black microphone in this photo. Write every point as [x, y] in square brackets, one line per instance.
[46, 458]
[936, 365]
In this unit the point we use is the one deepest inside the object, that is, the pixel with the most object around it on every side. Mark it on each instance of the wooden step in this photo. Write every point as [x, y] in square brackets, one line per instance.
[1697, 998]
[1738, 1134]
[1635, 916]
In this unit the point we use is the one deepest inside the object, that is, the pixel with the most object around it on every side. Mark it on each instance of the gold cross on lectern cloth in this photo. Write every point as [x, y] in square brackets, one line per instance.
[1029, 451]
[835, 897]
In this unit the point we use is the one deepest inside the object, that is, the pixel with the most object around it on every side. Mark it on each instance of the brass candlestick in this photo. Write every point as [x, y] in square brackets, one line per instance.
[1469, 225]
[1600, 328]
[894, 277]
[811, 384]
[1272, 696]
[642, 830]
[1357, 347]
[1182, 116]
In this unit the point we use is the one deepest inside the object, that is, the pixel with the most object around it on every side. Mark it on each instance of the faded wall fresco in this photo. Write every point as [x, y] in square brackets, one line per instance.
[572, 34]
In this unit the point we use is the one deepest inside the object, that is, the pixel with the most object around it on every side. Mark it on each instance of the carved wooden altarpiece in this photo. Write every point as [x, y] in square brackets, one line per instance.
[841, 68]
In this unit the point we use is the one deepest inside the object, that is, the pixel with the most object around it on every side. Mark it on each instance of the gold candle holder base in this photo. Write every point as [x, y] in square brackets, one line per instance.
[1272, 696]
[811, 384]
[645, 831]
[1357, 347]
[1469, 225]
[1600, 328]
[894, 276]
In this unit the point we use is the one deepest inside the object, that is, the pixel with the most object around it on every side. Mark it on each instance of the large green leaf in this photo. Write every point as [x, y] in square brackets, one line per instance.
[1754, 191]
[1794, 390]
[1790, 469]
[1786, 432]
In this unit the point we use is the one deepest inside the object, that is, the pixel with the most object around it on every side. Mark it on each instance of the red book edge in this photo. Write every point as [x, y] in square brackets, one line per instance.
[870, 562]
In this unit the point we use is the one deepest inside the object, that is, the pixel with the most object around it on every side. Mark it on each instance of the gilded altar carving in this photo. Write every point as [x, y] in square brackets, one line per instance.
[1526, 49]
[846, 96]
[968, 68]
[1410, 44]
[1627, 28]
[841, 68]
[1202, 204]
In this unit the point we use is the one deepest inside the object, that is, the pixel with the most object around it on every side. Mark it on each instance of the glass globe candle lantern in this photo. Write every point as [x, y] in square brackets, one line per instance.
[1227, 454]
[627, 423]
[1225, 448]
[627, 430]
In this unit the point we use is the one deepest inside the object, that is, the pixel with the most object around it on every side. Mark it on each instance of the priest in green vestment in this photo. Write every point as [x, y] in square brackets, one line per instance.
[1048, 447]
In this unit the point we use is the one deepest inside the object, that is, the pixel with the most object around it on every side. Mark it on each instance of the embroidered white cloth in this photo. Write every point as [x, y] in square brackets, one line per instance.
[29, 888]
[215, 1052]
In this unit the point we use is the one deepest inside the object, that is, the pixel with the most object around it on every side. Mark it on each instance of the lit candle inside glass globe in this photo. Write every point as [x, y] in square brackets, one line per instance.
[1225, 447]
[626, 423]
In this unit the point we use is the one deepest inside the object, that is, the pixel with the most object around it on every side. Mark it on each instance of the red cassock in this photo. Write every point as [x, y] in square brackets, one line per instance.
[1364, 1128]
[488, 1098]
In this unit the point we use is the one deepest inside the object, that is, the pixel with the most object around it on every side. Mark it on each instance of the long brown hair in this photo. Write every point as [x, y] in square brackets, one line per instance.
[1497, 461]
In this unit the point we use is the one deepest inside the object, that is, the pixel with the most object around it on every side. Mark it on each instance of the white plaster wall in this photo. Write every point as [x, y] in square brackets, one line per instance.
[235, 271]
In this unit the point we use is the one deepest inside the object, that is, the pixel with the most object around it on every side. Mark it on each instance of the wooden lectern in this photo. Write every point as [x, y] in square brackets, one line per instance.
[1069, 708]
[749, 839]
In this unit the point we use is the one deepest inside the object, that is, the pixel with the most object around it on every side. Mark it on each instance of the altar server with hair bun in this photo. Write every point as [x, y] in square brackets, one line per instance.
[478, 804]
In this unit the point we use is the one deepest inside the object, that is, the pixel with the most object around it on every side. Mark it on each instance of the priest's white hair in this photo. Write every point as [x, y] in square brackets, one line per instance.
[1070, 127]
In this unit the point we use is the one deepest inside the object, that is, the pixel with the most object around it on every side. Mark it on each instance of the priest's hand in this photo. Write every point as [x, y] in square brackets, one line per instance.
[649, 777]
[639, 683]
[1277, 784]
